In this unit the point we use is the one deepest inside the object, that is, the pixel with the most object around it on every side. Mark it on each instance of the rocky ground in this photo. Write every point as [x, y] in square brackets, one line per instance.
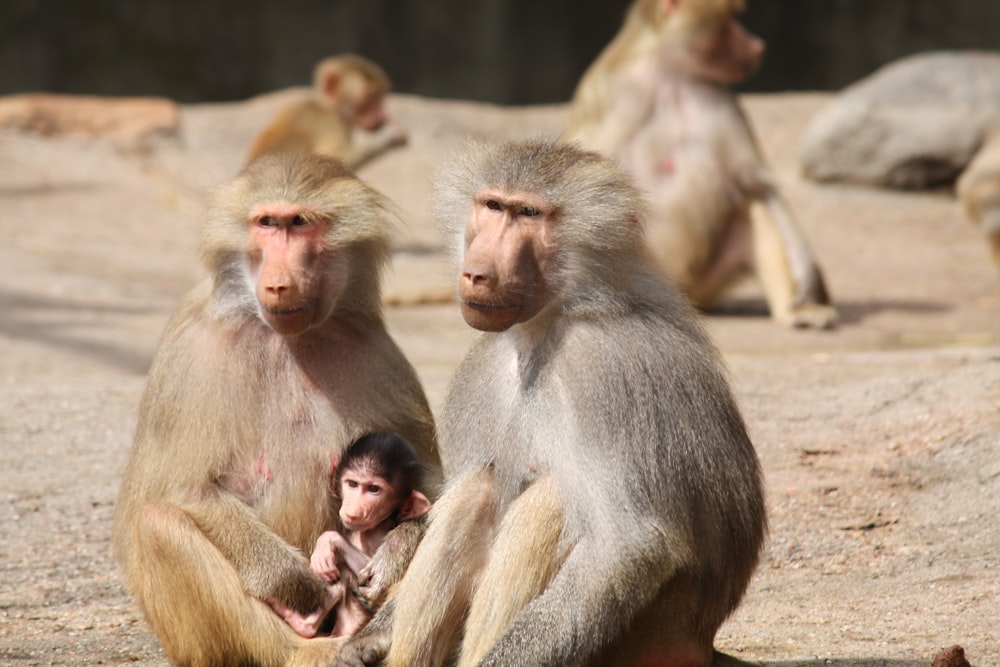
[880, 440]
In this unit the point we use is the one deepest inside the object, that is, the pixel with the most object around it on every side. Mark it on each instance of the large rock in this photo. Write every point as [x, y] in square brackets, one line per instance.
[914, 123]
[122, 119]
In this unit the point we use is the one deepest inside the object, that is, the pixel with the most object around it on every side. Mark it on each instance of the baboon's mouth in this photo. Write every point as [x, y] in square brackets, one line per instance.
[282, 312]
[489, 306]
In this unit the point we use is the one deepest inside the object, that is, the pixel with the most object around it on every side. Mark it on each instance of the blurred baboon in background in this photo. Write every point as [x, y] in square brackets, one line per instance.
[344, 116]
[657, 100]
[979, 191]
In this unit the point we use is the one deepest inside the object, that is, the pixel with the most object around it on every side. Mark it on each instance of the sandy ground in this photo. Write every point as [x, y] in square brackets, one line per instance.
[880, 439]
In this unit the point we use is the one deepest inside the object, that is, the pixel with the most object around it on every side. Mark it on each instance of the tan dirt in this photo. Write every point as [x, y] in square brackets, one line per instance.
[880, 440]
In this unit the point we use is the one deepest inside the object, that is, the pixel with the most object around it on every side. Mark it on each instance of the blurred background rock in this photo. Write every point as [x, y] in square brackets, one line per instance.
[503, 51]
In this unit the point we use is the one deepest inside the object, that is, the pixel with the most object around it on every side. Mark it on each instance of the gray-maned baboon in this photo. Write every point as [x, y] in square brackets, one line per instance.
[348, 95]
[604, 504]
[266, 373]
[657, 100]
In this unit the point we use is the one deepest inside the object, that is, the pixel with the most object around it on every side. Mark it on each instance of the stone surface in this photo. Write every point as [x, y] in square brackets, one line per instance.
[123, 119]
[880, 440]
[914, 123]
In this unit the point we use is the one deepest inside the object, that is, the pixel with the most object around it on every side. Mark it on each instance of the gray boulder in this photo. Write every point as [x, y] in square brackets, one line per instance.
[915, 123]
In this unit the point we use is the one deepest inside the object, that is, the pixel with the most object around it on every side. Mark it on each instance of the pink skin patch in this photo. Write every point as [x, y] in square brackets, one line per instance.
[263, 469]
